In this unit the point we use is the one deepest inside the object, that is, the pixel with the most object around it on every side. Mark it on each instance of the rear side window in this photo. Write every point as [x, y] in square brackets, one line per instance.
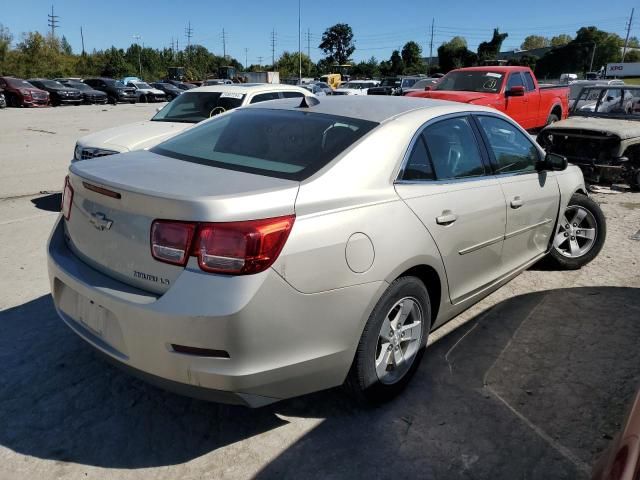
[277, 143]
[528, 79]
[453, 149]
[263, 97]
[419, 165]
[292, 94]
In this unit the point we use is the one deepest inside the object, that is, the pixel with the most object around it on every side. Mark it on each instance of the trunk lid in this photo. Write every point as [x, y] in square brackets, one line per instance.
[113, 234]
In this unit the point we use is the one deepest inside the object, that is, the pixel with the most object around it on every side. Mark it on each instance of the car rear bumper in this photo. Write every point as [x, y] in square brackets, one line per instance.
[271, 341]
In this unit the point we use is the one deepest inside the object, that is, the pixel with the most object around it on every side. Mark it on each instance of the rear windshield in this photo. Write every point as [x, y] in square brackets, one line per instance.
[471, 81]
[18, 83]
[193, 107]
[276, 143]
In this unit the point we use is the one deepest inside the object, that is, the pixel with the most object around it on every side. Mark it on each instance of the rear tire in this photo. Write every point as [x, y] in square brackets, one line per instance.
[582, 230]
[392, 343]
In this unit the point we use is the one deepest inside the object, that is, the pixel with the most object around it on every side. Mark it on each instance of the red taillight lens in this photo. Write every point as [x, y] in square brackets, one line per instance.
[171, 241]
[67, 198]
[242, 247]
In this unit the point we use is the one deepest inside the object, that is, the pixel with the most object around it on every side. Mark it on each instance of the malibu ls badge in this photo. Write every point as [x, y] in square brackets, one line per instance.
[100, 221]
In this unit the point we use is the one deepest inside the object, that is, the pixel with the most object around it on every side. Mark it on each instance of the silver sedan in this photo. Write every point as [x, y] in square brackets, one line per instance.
[289, 247]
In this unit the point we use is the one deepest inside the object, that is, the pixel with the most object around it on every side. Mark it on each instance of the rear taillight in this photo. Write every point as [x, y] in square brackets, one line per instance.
[67, 198]
[171, 241]
[236, 248]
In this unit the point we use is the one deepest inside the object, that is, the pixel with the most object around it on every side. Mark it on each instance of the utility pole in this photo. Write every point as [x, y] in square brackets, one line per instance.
[224, 44]
[188, 33]
[52, 21]
[82, 37]
[273, 48]
[626, 40]
[593, 54]
[137, 39]
[260, 60]
[431, 45]
[299, 44]
[309, 50]
[246, 62]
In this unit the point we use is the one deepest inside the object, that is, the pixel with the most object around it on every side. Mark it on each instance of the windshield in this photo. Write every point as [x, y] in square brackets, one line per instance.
[607, 101]
[424, 83]
[17, 83]
[141, 85]
[471, 81]
[79, 86]
[193, 107]
[277, 143]
[390, 82]
[51, 84]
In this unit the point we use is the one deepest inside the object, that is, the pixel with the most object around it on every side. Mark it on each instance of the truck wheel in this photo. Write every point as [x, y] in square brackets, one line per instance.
[634, 182]
[581, 233]
[392, 343]
[552, 119]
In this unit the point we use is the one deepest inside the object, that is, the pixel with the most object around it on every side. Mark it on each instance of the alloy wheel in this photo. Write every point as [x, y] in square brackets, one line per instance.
[577, 232]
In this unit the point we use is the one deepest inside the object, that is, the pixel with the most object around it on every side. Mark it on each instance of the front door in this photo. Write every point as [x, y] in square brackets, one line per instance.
[448, 186]
[517, 107]
[532, 197]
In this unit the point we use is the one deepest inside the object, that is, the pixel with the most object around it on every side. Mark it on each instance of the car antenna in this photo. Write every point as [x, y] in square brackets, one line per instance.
[308, 101]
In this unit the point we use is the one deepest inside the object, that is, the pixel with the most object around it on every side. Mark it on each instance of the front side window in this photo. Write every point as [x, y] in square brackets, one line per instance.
[515, 80]
[512, 151]
[277, 143]
[453, 149]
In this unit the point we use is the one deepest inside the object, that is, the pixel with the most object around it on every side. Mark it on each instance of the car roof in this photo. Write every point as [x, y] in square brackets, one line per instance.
[364, 107]
[248, 88]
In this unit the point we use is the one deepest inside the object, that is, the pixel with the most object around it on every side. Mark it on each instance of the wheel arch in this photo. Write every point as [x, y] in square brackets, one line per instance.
[556, 109]
[432, 281]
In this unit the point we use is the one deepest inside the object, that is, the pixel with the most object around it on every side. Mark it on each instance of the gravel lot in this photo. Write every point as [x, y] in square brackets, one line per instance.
[532, 384]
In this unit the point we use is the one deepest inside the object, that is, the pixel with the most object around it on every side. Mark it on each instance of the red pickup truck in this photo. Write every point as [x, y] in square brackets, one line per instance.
[512, 90]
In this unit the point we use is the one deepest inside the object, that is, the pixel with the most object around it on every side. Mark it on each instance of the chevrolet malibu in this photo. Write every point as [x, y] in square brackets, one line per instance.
[293, 246]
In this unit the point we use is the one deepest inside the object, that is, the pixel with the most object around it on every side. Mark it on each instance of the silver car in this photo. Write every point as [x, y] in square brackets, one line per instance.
[290, 246]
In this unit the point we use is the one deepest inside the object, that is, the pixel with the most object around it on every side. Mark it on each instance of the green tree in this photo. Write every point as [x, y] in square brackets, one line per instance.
[560, 40]
[368, 69]
[633, 42]
[66, 46]
[288, 64]
[455, 54]
[5, 44]
[489, 50]
[412, 58]
[337, 43]
[535, 41]
[632, 56]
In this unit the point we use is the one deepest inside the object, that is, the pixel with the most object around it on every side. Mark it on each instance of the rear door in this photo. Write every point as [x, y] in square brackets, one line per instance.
[532, 197]
[517, 107]
[448, 185]
[536, 116]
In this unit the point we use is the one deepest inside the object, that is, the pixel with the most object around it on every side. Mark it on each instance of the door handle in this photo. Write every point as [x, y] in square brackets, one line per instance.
[517, 202]
[447, 218]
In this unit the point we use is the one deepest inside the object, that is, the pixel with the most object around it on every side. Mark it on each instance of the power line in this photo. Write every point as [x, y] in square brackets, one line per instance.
[188, 31]
[52, 21]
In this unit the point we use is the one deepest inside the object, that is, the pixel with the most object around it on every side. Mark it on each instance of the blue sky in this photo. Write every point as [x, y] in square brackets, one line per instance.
[379, 25]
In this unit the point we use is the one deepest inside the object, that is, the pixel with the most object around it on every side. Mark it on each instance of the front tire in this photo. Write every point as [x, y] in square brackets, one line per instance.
[392, 342]
[581, 233]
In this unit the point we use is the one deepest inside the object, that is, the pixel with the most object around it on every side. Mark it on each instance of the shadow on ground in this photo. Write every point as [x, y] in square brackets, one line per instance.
[530, 389]
[48, 203]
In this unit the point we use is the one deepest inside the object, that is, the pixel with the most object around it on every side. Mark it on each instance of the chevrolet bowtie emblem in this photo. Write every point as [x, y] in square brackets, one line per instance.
[100, 221]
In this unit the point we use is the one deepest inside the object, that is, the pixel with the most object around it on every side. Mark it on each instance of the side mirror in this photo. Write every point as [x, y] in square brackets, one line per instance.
[517, 91]
[553, 162]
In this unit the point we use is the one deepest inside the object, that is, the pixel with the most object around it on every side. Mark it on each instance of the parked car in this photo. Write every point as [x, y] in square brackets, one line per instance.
[393, 86]
[576, 87]
[171, 91]
[217, 81]
[192, 107]
[315, 89]
[621, 461]
[423, 84]
[147, 93]
[59, 94]
[3, 101]
[89, 95]
[20, 93]
[600, 136]
[512, 90]
[356, 87]
[290, 246]
[180, 85]
[116, 90]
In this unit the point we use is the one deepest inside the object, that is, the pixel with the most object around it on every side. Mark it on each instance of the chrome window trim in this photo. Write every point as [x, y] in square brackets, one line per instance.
[405, 158]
